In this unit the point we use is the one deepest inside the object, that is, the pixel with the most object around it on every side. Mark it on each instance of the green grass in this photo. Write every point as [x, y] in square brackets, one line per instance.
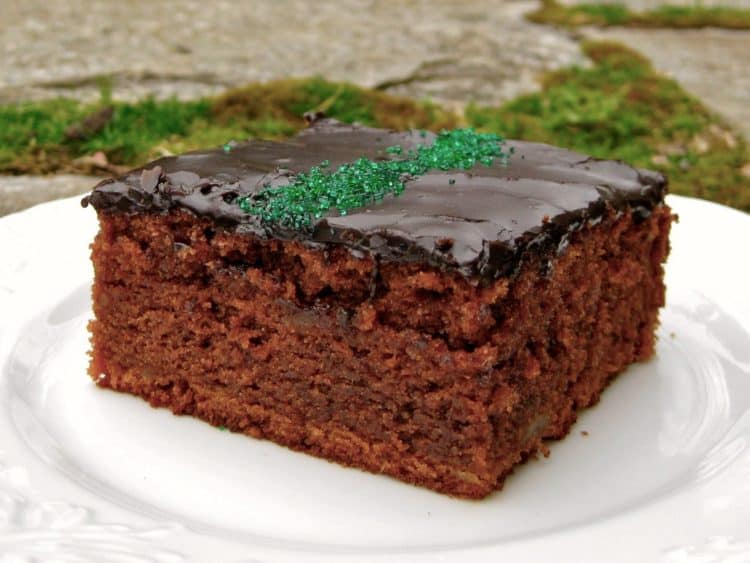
[621, 108]
[615, 14]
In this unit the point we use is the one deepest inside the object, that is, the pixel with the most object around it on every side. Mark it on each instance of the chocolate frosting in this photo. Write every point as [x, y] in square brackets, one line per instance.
[480, 222]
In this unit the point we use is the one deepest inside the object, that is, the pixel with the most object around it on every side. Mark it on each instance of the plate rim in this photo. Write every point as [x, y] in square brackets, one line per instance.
[710, 544]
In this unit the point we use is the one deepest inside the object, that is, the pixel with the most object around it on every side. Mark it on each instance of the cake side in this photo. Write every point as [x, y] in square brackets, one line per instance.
[393, 367]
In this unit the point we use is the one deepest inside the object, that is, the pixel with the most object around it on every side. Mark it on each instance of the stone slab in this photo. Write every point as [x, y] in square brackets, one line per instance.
[449, 51]
[20, 192]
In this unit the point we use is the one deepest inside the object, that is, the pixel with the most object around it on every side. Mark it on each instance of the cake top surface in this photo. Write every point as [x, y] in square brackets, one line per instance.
[478, 221]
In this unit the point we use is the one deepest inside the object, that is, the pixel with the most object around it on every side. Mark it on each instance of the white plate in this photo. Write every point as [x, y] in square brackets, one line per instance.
[92, 475]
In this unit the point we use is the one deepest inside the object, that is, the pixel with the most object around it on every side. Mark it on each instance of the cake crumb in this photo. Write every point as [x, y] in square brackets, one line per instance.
[672, 335]
[584, 433]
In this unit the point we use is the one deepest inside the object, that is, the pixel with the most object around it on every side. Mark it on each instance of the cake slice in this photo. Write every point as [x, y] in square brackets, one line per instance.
[427, 307]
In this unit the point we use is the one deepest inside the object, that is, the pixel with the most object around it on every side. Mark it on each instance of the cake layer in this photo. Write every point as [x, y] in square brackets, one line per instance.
[479, 221]
[393, 366]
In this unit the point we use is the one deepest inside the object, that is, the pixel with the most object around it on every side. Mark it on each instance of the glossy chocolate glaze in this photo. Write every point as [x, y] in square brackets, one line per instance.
[480, 222]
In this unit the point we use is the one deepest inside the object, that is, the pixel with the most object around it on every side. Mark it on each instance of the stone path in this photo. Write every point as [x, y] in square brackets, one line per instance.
[450, 51]
[20, 192]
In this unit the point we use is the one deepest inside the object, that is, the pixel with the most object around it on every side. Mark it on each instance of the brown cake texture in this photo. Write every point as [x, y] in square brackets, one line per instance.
[439, 336]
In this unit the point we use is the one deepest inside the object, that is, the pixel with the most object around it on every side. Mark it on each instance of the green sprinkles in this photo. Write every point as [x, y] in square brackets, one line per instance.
[313, 193]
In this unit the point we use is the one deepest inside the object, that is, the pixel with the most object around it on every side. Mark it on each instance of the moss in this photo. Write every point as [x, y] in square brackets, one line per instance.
[35, 138]
[287, 100]
[135, 128]
[35, 132]
[615, 14]
[33, 135]
[621, 108]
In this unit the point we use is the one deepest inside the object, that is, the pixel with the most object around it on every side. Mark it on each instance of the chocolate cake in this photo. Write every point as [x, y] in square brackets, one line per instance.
[436, 331]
